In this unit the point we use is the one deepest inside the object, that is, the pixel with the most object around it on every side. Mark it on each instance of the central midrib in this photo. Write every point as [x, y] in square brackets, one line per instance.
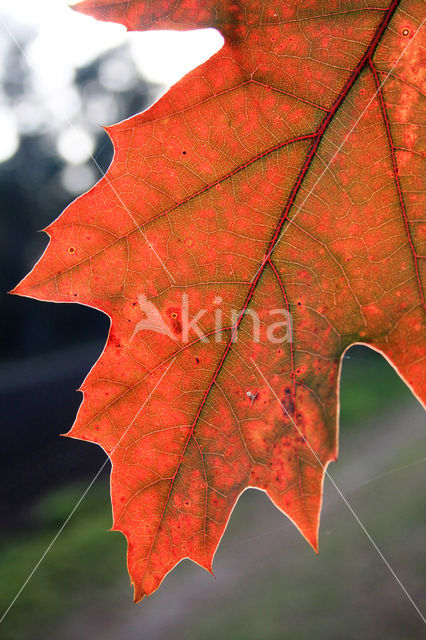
[275, 238]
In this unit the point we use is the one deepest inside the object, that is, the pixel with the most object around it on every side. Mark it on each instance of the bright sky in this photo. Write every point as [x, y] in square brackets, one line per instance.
[66, 40]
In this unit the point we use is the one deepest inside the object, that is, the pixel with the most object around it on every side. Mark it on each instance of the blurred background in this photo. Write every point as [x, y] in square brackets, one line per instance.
[62, 76]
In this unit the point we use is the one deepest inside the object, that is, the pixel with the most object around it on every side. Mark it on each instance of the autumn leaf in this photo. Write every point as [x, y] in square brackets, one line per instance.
[280, 179]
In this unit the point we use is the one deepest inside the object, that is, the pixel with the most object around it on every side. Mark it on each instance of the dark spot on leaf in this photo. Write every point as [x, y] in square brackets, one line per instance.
[287, 402]
[175, 320]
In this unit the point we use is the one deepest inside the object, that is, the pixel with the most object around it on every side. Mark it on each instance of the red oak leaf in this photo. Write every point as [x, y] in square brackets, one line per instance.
[283, 176]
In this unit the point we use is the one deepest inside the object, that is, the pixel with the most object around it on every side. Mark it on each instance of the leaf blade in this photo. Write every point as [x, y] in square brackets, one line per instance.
[247, 217]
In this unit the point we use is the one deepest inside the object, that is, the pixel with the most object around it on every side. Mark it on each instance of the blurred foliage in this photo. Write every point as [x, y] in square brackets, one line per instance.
[37, 183]
[368, 385]
[47, 349]
[84, 560]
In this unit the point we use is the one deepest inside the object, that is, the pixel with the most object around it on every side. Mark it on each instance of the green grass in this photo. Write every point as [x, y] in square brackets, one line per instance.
[83, 560]
[369, 385]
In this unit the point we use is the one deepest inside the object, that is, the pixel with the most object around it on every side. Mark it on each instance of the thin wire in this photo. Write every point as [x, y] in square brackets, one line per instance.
[388, 473]
[48, 548]
[259, 536]
[343, 498]
[104, 174]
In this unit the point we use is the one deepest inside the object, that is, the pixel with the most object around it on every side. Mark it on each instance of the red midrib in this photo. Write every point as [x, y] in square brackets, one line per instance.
[317, 137]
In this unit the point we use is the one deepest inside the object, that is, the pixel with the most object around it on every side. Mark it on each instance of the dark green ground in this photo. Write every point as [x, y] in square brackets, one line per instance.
[269, 584]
